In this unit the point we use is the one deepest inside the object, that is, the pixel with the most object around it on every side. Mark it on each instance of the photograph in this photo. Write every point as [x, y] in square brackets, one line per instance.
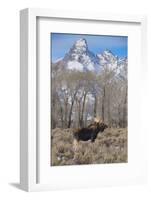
[88, 99]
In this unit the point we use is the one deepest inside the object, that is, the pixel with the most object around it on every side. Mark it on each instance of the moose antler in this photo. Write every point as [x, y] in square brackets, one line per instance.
[98, 120]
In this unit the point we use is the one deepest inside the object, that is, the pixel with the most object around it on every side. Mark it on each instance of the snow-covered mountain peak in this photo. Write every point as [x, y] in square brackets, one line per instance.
[79, 55]
[81, 43]
[107, 57]
[108, 52]
[79, 47]
[80, 58]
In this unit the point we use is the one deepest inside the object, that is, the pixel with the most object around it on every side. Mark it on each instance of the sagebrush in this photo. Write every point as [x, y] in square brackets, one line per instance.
[109, 147]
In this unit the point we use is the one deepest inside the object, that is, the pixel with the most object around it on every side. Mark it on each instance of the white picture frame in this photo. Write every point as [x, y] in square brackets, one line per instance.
[29, 148]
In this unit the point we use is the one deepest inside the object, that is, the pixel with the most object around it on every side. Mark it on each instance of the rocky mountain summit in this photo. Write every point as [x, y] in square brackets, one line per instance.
[80, 58]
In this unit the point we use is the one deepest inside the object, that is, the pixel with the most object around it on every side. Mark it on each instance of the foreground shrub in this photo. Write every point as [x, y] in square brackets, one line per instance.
[109, 147]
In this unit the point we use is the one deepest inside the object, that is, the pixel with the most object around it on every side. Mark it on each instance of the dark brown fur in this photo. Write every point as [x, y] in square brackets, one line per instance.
[90, 132]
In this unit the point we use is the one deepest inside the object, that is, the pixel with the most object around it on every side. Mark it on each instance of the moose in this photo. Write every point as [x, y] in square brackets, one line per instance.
[90, 132]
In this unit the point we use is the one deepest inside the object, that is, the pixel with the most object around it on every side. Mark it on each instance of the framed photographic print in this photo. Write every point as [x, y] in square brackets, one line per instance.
[81, 80]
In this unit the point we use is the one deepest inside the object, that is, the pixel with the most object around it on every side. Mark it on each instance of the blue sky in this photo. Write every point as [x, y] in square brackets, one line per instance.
[62, 42]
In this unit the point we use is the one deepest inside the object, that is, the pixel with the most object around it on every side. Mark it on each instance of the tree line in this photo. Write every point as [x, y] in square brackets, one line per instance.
[77, 97]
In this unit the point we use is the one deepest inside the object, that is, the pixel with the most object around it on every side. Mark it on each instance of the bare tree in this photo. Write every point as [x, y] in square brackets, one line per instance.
[79, 96]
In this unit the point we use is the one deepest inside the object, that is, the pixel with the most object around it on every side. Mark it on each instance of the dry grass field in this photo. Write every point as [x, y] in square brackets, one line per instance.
[109, 147]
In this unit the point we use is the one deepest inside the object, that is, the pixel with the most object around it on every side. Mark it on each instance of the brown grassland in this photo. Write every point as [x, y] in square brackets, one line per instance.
[109, 147]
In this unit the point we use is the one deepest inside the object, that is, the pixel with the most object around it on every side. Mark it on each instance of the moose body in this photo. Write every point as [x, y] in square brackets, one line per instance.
[90, 132]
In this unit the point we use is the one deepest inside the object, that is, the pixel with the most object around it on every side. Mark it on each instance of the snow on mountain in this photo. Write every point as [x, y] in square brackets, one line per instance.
[107, 57]
[75, 65]
[80, 58]
[119, 65]
[122, 68]
[59, 59]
